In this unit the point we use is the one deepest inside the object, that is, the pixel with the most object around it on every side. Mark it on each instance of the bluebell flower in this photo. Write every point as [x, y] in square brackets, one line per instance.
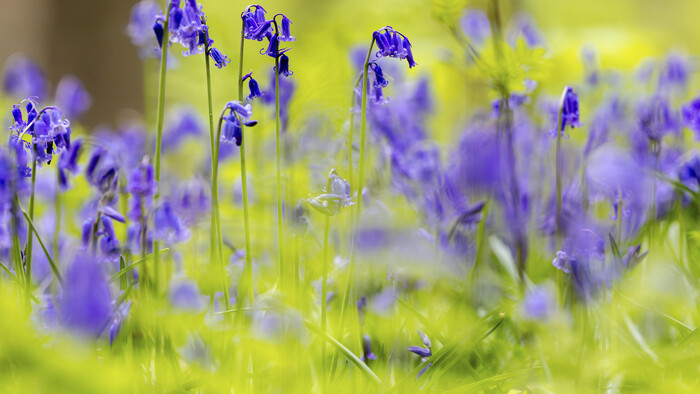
[140, 28]
[159, 31]
[253, 86]
[255, 26]
[142, 187]
[85, 307]
[135, 238]
[333, 200]
[284, 66]
[184, 295]
[24, 78]
[220, 60]
[656, 117]
[523, 26]
[273, 47]
[425, 353]
[691, 116]
[391, 43]
[109, 244]
[538, 303]
[379, 80]
[72, 97]
[475, 25]
[237, 114]
[192, 202]
[583, 256]
[167, 225]
[181, 122]
[102, 172]
[569, 110]
[675, 71]
[187, 27]
[285, 35]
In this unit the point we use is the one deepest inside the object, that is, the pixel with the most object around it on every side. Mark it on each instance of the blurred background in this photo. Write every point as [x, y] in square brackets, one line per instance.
[88, 38]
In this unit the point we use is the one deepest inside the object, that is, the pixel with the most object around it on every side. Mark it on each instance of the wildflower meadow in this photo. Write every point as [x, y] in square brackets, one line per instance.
[347, 197]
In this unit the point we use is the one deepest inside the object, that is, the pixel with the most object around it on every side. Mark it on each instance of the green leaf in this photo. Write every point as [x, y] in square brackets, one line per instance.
[471, 387]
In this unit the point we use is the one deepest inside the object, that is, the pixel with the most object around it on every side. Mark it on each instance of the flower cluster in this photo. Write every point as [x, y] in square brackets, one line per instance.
[238, 114]
[391, 43]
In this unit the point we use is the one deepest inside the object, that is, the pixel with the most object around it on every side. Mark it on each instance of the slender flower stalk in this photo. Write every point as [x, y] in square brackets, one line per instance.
[278, 153]
[568, 114]
[30, 236]
[159, 139]
[216, 228]
[363, 131]
[244, 180]
[57, 215]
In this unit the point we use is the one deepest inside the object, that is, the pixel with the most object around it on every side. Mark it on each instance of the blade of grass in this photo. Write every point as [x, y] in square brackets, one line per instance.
[46, 252]
[134, 264]
[350, 355]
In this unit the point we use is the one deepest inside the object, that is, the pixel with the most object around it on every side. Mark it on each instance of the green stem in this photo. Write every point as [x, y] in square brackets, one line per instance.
[30, 236]
[280, 224]
[159, 138]
[32, 229]
[244, 185]
[57, 215]
[215, 184]
[363, 129]
[324, 295]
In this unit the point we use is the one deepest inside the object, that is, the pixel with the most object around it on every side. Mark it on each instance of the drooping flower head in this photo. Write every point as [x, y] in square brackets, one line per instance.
[656, 117]
[49, 129]
[691, 116]
[391, 43]
[69, 163]
[220, 60]
[24, 78]
[336, 197]
[253, 86]
[255, 26]
[568, 107]
[140, 28]
[234, 115]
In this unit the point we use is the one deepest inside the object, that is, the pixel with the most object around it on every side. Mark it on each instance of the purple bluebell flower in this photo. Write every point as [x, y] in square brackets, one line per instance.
[675, 71]
[523, 26]
[24, 78]
[238, 114]
[425, 353]
[192, 202]
[391, 43]
[220, 60]
[69, 163]
[569, 110]
[181, 122]
[475, 25]
[583, 256]
[273, 47]
[72, 97]
[538, 303]
[85, 307]
[168, 226]
[255, 26]
[691, 116]
[656, 117]
[285, 35]
[332, 201]
[379, 80]
[187, 27]
[142, 187]
[367, 349]
[184, 295]
[140, 28]
[420, 351]
[253, 86]
[136, 238]
[284, 66]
